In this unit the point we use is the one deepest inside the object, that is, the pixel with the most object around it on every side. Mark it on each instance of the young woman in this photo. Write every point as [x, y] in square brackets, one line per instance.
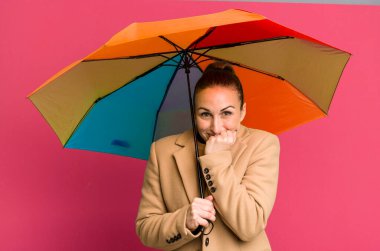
[240, 169]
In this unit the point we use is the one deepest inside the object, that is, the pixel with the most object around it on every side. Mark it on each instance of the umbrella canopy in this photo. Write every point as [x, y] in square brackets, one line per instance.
[134, 89]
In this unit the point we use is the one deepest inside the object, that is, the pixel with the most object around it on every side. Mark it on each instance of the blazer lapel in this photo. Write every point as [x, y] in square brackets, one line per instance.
[240, 145]
[187, 166]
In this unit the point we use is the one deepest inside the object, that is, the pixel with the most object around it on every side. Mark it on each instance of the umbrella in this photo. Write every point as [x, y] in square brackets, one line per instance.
[138, 87]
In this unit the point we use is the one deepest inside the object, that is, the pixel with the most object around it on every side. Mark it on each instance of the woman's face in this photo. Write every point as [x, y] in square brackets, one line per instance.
[217, 109]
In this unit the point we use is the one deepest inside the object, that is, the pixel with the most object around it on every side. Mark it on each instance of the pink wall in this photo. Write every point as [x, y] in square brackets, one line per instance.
[55, 199]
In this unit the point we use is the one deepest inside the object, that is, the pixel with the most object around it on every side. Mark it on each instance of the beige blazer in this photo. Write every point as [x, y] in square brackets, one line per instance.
[243, 184]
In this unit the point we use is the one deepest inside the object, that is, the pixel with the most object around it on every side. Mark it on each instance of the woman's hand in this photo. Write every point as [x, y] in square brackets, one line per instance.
[220, 142]
[199, 212]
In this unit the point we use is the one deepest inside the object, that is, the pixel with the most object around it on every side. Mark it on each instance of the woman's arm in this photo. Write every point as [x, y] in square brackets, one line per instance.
[154, 225]
[245, 204]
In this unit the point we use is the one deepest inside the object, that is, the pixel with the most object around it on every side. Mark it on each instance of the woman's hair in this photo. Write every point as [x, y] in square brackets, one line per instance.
[222, 74]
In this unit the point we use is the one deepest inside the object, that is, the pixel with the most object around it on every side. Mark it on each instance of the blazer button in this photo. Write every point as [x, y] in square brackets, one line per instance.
[207, 241]
[206, 170]
[208, 177]
[210, 183]
[212, 189]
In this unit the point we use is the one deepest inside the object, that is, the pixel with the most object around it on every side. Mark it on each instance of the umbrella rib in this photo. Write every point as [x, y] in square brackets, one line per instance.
[137, 77]
[195, 63]
[169, 58]
[183, 51]
[172, 43]
[80, 122]
[175, 65]
[244, 43]
[194, 44]
[208, 32]
[201, 55]
[162, 54]
[243, 66]
[202, 61]
[164, 97]
[236, 44]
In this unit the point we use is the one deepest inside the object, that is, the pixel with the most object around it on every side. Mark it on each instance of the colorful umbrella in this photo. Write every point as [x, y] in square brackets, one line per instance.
[135, 88]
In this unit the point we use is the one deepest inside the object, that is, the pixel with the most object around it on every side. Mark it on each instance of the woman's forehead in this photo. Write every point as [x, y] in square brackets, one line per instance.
[220, 88]
[218, 96]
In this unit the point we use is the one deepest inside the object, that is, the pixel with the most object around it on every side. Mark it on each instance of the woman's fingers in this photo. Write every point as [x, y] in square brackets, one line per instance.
[206, 215]
[203, 205]
[231, 137]
[220, 142]
[206, 201]
[199, 212]
[210, 198]
[203, 222]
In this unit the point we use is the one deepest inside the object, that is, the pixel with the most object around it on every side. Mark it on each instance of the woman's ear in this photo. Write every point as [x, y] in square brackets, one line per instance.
[243, 112]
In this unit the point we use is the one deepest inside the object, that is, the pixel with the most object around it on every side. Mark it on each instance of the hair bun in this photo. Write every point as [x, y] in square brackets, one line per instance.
[220, 66]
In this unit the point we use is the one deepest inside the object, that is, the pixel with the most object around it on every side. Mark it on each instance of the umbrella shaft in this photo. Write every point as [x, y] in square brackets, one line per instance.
[187, 70]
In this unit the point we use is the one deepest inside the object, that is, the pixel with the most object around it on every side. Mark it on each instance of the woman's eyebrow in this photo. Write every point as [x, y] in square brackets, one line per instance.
[203, 109]
[228, 107]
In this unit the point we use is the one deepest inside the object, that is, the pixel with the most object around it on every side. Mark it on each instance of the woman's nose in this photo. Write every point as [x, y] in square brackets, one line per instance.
[216, 126]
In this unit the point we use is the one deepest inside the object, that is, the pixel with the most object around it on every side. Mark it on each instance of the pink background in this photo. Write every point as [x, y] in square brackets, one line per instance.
[59, 199]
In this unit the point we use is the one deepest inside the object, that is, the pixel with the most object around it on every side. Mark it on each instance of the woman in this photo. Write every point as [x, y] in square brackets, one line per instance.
[239, 167]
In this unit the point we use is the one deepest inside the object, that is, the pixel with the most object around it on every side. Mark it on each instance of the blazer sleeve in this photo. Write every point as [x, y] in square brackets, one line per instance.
[154, 225]
[245, 204]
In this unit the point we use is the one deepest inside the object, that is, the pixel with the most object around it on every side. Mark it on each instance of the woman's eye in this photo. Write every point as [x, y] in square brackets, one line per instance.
[227, 113]
[205, 114]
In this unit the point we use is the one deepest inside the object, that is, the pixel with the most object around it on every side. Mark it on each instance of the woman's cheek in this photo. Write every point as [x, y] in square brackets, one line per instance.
[230, 126]
[235, 124]
[202, 128]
